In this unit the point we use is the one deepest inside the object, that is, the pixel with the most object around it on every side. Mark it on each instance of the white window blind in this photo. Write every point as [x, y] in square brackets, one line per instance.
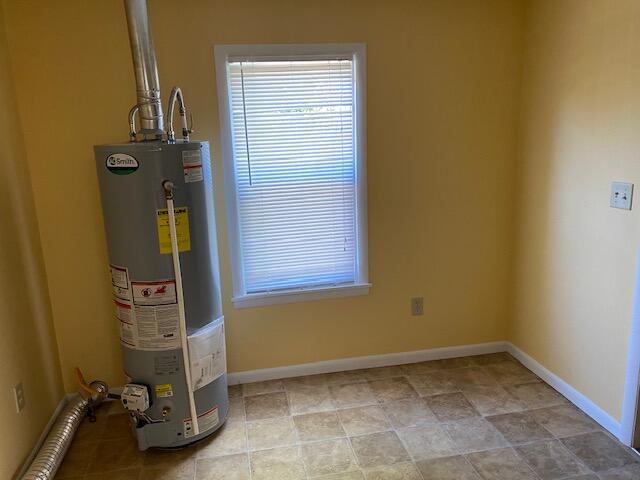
[293, 134]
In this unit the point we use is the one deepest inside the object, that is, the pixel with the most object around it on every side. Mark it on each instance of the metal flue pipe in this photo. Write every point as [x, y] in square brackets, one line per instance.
[145, 68]
[52, 451]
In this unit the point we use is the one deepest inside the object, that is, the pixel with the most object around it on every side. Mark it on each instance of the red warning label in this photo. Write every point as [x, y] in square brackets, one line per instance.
[154, 293]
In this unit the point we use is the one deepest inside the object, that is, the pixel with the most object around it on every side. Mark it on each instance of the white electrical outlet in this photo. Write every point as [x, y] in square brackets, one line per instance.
[417, 306]
[621, 195]
[18, 394]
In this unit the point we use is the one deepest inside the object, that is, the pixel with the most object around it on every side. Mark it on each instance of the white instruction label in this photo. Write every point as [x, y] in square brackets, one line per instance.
[192, 166]
[193, 174]
[154, 293]
[124, 314]
[207, 354]
[128, 334]
[157, 327]
[120, 282]
[206, 421]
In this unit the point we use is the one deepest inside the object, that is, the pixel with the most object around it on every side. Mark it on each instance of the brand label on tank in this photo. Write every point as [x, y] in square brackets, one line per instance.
[121, 163]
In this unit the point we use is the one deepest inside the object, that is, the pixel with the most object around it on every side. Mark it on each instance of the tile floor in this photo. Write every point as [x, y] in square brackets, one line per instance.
[473, 418]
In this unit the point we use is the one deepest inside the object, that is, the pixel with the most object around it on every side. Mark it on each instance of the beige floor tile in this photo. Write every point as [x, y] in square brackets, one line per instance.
[593, 476]
[502, 464]
[457, 362]
[392, 389]
[156, 457]
[630, 472]
[236, 409]
[278, 464]
[183, 470]
[474, 434]
[305, 381]
[127, 474]
[231, 438]
[492, 400]
[536, 395]
[519, 428]
[379, 449]
[409, 413]
[235, 391]
[433, 383]
[471, 376]
[318, 426]
[426, 442]
[355, 475]
[232, 467]
[76, 461]
[271, 433]
[116, 454]
[420, 368]
[268, 386]
[492, 358]
[362, 420]
[342, 378]
[564, 421]
[384, 372]
[352, 395]
[91, 431]
[267, 405]
[551, 460]
[309, 399]
[509, 373]
[399, 471]
[447, 468]
[328, 457]
[450, 407]
[598, 451]
[118, 426]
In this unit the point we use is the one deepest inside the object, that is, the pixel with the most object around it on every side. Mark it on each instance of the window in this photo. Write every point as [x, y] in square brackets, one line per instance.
[293, 141]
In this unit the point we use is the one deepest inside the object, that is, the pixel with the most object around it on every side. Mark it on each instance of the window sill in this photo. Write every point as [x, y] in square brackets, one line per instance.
[303, 295]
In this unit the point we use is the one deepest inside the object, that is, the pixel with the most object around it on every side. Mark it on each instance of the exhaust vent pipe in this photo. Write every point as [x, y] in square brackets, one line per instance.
[145, 68]
[52, 451]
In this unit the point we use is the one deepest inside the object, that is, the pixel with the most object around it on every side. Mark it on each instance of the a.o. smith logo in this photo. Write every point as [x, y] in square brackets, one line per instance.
[121, 164]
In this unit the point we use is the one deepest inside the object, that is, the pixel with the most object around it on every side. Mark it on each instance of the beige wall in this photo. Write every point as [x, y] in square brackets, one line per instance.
[580, 131]
[27, 341]
[443, 90]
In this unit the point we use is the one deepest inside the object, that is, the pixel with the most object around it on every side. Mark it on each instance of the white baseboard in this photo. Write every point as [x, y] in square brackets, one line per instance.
[370, 361]
[54, 416]
[577, 398]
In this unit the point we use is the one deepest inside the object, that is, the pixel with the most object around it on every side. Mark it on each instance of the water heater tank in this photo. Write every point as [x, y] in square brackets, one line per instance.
[146, 294]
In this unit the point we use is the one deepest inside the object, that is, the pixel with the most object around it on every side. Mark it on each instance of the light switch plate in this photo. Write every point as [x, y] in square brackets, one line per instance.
[621, 195]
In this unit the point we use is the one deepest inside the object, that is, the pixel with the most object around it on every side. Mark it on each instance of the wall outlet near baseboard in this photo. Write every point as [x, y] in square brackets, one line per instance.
[18, 394]
[417, 306]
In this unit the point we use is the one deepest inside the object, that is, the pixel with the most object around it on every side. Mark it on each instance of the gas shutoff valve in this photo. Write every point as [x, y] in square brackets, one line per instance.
[135, 397]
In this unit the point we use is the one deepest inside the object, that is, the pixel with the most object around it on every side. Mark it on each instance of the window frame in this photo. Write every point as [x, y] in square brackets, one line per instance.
[355, 51]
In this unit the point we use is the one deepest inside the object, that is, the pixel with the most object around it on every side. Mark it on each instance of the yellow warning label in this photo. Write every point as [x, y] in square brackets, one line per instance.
[164, 390]
[182, 229]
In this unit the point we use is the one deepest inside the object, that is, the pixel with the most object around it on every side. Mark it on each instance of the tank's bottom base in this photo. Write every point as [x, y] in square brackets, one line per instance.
[144, 444]
[196, 442]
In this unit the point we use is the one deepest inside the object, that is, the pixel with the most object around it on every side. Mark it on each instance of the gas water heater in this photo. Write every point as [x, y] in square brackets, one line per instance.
[157, 200]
